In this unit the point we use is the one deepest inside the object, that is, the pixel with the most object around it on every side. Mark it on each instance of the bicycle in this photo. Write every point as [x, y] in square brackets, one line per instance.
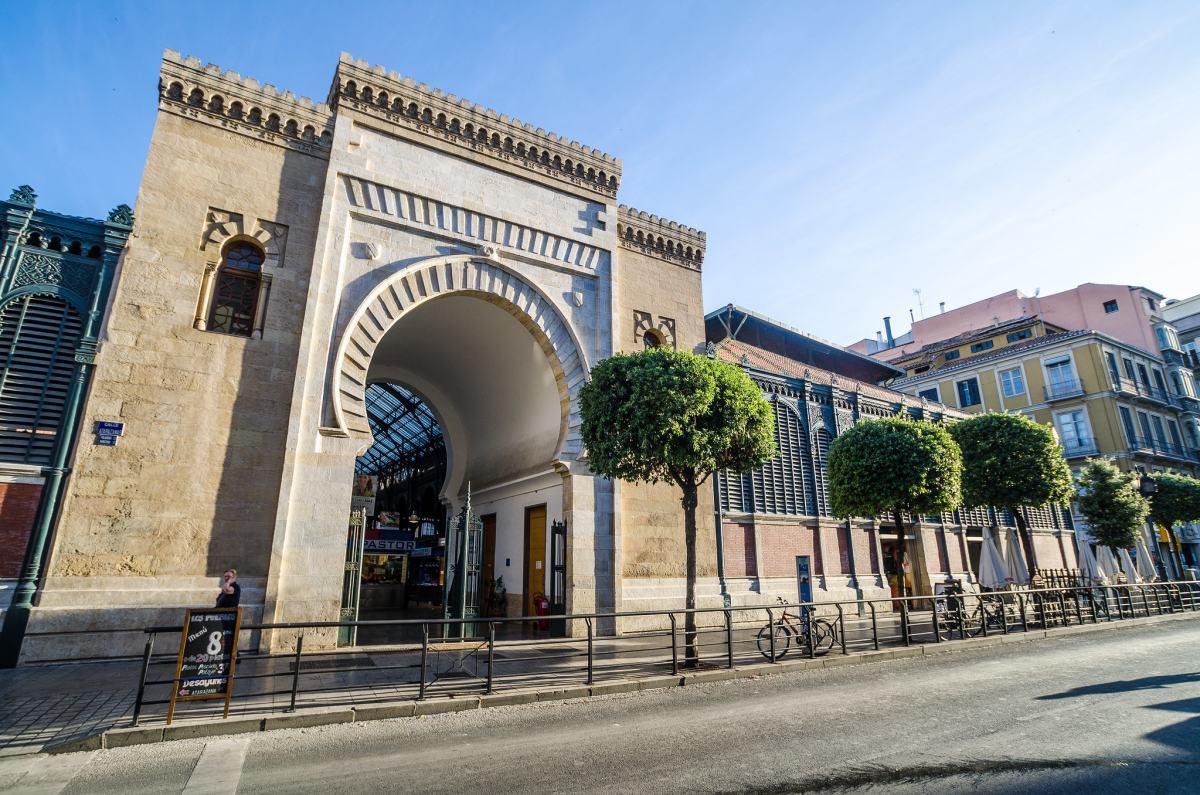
[954, 617]
[790, 629]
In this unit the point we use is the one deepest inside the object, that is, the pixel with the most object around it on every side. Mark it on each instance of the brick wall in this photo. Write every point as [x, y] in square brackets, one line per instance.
[18, 507]
[781, 543]
[739, 550]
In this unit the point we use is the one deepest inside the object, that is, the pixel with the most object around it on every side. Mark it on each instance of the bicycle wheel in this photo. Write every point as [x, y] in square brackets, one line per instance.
[824, 635]
[783, 640]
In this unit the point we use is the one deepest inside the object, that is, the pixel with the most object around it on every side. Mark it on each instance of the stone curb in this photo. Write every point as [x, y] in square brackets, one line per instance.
[325, 716]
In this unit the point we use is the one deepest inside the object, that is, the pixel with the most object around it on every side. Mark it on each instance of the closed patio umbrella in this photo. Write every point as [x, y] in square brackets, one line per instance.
[1088, 568]
[992, 572]
[1145, 563]
[1131, 572]
[1014, 559]
[1106, 561]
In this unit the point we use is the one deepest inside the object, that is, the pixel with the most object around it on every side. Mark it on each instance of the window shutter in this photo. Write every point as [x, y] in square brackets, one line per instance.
[38, 337]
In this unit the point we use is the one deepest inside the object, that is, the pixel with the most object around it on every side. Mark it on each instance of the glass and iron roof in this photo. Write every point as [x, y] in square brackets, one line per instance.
[405, 430]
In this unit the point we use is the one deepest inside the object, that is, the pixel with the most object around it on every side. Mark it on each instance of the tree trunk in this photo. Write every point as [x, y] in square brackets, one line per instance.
[901, 547]
[1026, 535]
[690, 500]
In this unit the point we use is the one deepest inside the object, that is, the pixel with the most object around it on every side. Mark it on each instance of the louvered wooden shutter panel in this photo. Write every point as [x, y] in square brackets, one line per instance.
[38, 337]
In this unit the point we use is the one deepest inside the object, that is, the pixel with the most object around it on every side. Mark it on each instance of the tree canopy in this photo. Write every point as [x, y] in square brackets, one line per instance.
[1011, 461]
[661, 414]
[880, 466]
[665, 415]
[1110, 502]
[1176, 500]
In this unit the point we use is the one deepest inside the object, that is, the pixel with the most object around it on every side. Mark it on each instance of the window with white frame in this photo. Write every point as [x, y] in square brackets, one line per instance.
[1073, 430]
[1060, 374]
[1012, 383]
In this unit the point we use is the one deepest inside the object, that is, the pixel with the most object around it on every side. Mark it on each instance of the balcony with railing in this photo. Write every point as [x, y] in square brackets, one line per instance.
[1126, 386]
[1163, 449]
[1061, 390]
[1080, 448]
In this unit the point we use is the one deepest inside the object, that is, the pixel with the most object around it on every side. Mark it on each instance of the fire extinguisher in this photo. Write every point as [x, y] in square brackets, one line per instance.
[541, 606]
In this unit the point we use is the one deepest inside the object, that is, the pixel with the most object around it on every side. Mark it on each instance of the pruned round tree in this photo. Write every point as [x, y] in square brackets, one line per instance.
[663, 415]
[1010, 461]
[894, 466]
[1111, 504]
[1176, 499]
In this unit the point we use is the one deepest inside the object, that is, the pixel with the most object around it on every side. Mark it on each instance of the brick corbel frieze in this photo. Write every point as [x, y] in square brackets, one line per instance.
[660, 238]
[242, 105]
[387, 95]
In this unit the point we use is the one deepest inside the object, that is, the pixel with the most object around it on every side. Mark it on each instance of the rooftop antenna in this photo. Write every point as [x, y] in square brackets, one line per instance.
[920, 303]
[910, 316]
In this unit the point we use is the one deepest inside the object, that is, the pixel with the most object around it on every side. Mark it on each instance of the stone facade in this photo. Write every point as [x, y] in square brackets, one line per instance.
[376, 213]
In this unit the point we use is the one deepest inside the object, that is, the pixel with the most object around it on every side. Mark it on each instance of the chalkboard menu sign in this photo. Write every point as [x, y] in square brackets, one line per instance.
[207, 655]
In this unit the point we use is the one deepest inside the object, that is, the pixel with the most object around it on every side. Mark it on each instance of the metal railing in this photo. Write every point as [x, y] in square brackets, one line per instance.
[1080, 447]
[1060, 390]
[515, 653]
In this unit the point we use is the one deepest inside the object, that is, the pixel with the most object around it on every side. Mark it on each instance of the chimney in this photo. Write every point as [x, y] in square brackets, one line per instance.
[887, 327]
[942, 307]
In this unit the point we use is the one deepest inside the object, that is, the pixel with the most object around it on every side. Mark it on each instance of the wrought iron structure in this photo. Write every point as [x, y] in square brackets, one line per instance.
[56, 272]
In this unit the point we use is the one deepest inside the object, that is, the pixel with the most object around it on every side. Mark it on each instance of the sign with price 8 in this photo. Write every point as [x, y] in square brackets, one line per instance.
[207, 656]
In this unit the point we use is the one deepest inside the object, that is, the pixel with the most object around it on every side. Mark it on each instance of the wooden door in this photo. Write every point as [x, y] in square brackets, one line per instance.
[488, 570]
[535, 555]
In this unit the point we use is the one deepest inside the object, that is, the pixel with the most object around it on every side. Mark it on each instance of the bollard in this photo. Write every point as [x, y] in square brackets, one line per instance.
[137, 705]
[296, 672]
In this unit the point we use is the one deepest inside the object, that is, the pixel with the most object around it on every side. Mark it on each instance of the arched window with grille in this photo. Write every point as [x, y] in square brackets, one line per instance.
[237, 290]
[38, 338]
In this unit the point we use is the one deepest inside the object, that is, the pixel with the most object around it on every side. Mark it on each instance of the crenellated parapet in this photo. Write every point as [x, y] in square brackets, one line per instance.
[242, 105]
[402, 101]
[659, 237]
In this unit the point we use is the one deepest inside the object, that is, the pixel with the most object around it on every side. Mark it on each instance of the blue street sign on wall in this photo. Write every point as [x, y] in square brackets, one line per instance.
[110, 428]
[106, 441]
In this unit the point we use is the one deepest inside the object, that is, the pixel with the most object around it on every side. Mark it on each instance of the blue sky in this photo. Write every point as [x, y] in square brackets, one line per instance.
[838, 155]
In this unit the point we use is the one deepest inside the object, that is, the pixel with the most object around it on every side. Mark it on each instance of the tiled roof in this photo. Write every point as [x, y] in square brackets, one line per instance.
[965, 337]
[983, 358]
[733, 351]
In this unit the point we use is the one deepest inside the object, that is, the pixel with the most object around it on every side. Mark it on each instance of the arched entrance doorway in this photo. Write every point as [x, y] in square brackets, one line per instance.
[465, 391]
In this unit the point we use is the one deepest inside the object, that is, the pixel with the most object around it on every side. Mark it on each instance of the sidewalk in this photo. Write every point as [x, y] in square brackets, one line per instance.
[90, 704]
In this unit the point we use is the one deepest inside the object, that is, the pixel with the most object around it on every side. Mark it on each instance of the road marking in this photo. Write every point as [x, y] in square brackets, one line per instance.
[50, 775]
[219, 768]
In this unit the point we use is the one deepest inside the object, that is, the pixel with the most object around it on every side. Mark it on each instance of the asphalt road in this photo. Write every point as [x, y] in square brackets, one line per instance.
[1106, 712]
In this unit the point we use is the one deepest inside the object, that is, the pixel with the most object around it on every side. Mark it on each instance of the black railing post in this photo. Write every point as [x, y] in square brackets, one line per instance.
[808, 632]
[141, 693]
[590, 651]
[296, 672]
[937, 624]
[491, 653]
[1062, 608]
[674, 647]
[842, 627]
[983, 616]
[771, 631]
[1146, 602]
[904, 622]
[1078, 609]
[728, 639]
[424, 660]
[1003, 606]
[1024, 614]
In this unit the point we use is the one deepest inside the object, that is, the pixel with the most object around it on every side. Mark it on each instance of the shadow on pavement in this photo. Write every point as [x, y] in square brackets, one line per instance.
[1125, 686]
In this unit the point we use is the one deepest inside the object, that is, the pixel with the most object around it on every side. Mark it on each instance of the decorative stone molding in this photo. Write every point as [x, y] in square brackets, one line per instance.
[224, 225]
[464, 274]
[660, 238]
[227, 100]
[664, 328]
[403, 102]
[486, 232]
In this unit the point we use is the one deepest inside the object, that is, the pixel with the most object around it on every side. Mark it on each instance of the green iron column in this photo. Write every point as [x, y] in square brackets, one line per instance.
[16, 618]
